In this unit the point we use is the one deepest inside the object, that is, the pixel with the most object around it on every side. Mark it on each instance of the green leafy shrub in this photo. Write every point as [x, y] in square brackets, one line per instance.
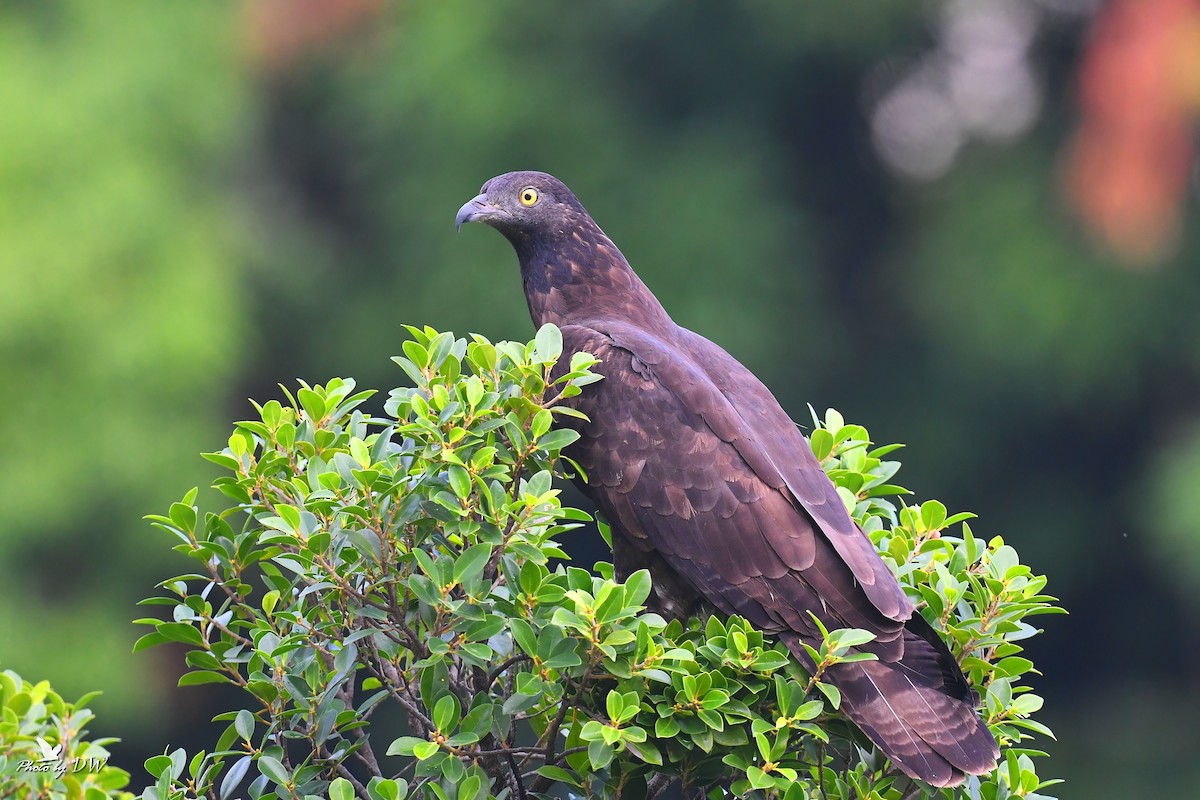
[409, 562]
[44, 752]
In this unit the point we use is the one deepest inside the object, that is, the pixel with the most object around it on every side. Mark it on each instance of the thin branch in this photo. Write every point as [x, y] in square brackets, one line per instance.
[516, 773]
[381, 669]
[364, 753]
[494, 674]
[657, 785]
[550, 737]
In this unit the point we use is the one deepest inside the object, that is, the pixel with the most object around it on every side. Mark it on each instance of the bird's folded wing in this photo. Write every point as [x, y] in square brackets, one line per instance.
[692, 475]
[791, 462]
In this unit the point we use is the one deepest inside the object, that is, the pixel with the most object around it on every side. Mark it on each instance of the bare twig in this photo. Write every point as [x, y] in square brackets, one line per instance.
[495, 673]
[516, 774]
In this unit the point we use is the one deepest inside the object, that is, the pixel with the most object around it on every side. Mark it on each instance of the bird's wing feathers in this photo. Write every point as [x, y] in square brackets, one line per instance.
[792, 462]
[697, 481]
[694, 463]
[741, 411]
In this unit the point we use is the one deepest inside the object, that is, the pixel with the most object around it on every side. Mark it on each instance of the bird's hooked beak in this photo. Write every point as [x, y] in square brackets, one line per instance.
[477, 208]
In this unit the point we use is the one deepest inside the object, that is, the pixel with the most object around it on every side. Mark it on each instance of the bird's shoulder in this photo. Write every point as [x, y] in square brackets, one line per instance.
[707, 381]
[675, 372]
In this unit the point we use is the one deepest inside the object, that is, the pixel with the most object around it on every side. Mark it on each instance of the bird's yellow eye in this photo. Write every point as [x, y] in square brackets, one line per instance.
[529, 196]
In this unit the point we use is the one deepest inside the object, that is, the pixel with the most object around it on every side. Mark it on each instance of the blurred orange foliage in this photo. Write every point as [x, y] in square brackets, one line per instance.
[282, 33]
[1129, 163]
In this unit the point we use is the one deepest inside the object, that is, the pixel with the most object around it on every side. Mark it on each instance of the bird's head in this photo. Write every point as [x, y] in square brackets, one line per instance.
[570, 269]
[524, 205]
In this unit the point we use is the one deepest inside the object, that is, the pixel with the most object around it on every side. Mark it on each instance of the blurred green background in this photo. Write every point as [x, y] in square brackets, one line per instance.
[969, 224]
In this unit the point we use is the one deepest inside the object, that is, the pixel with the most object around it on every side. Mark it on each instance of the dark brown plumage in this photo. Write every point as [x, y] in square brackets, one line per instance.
[708, 483]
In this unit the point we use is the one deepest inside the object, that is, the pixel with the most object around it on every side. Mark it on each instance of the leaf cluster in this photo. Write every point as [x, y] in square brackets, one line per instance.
[411, 562]
[44, 748]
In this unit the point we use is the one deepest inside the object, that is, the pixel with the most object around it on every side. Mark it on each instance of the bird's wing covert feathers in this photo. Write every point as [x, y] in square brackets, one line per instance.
[692, 475]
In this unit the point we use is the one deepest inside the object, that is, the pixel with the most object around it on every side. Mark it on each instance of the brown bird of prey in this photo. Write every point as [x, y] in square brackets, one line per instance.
[709, 484]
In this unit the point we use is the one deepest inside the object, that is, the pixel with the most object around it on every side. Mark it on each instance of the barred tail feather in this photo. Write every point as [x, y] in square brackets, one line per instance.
[919, 711]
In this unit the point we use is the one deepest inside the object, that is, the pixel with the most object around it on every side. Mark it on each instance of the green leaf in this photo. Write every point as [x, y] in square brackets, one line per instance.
[933, 515]
[460, 481]
[1013, 666]
[645, 751]
[233, 778]
[424, 750]
[340, 789]
[821, 442]
[148, 641]
[203, 676]
[468, 789]
[557, 439]
[269, 600]
[359, 452]
[180, 632]
[637, 588]
[158, 765]
[387, 788]
[312, 403]
[1003, 559]
[344, 661]
[404, 746]
[540, 424]
[559, 775]
[831, 693]
[184, 516]
[274, 770]
[445, 713]
[1026, 704]
[810, 710]
[849, 637]
[523, 634]
[243, 723]
[1014, 769]
[600, 753]
[615, 704]
[549, 342]
[470, 564]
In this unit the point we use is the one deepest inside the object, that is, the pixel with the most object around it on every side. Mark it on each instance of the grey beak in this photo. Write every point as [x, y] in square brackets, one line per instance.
[472, 210]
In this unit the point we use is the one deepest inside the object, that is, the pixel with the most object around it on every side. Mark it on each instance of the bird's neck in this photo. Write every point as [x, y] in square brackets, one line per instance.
[580, 276]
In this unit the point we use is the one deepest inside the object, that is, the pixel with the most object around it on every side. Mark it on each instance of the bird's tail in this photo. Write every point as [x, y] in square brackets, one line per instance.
[919, 711]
